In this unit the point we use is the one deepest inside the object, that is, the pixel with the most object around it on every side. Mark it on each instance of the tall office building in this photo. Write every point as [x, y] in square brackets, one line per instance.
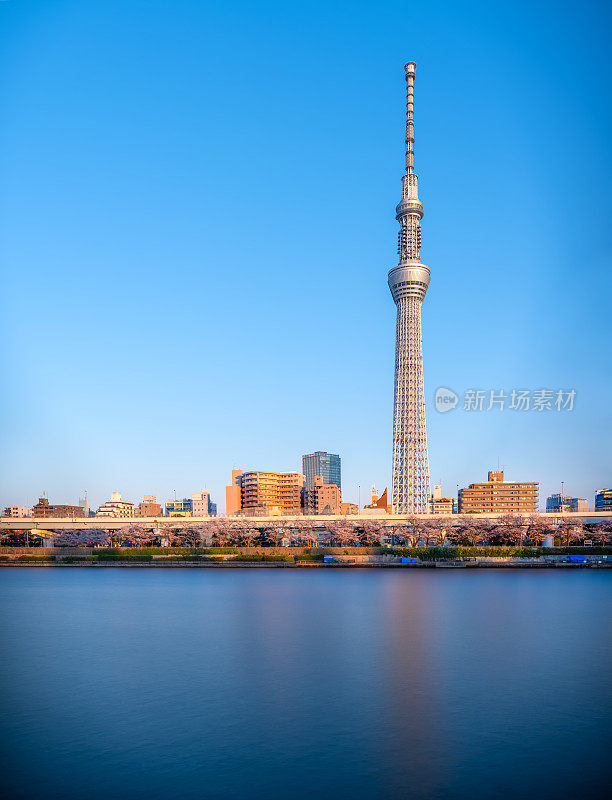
[408, 283]
[327, 465]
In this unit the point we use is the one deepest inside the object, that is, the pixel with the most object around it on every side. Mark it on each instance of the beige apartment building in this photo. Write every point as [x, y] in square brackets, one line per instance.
[439, 504]
[259, 493]
[497, 496]
[116, 507]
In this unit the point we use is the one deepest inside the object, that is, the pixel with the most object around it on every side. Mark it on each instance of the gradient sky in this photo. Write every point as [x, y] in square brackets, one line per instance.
[197, 221]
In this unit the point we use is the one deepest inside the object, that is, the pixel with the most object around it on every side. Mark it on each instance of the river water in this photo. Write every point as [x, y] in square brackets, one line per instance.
[323, 683]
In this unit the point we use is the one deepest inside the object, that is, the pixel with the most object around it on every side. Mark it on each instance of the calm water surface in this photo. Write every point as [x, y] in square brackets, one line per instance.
[136, 683]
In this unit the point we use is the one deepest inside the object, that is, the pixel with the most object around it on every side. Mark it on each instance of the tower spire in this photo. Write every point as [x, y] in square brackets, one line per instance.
[410, 70]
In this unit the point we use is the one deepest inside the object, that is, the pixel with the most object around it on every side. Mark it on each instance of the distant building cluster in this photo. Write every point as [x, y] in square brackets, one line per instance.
[199, 505]
[317, 490]
[560, 503]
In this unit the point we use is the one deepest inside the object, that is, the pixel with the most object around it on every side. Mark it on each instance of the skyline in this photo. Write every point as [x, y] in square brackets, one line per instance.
[155, 338]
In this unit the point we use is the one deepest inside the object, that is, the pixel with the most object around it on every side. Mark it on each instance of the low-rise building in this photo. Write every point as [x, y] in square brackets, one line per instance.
[149, 507]
[44, 509]
[116, 507]
[497, 496]
[349, 508]
[179, 508]
[17, 511]
[603, 500]
[442, 505]
[439, 504]
[323, 498]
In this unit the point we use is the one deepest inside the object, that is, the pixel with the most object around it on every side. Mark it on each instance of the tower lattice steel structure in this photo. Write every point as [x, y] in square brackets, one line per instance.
[408, 283]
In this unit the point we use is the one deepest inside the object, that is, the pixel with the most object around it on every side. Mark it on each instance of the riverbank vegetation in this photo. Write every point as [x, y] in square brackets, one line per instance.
[225, 535]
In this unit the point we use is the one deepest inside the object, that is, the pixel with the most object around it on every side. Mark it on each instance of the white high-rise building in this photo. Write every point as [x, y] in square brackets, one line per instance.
[408, 283]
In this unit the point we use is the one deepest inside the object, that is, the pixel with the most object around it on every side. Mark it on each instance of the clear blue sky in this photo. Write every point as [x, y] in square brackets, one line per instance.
[197, 221]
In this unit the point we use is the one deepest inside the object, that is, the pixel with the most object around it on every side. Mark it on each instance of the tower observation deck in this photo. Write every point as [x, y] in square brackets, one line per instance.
[408, 283]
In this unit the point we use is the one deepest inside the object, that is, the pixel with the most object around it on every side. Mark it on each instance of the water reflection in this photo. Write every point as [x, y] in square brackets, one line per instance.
[273, 683]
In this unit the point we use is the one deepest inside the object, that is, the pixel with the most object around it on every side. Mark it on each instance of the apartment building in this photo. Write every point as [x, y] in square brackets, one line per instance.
[17, 511]
[149, 507]
[497, 496]
[116, 507]
[44, 509]
[323, 498]
[265, 493]
[439, 504]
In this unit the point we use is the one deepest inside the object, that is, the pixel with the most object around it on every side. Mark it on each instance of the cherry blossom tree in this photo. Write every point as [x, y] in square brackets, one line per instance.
[469, 531]
[306, 535]
[506, 531]
[599, 533]
[91, 537]
[536, 526]
[444, 525]
[371, 531]
[570, 532]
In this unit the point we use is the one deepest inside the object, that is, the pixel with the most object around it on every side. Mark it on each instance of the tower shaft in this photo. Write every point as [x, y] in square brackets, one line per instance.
[408, 283]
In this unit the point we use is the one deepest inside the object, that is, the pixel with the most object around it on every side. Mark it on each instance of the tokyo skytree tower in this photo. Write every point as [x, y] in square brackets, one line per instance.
[408, 283]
